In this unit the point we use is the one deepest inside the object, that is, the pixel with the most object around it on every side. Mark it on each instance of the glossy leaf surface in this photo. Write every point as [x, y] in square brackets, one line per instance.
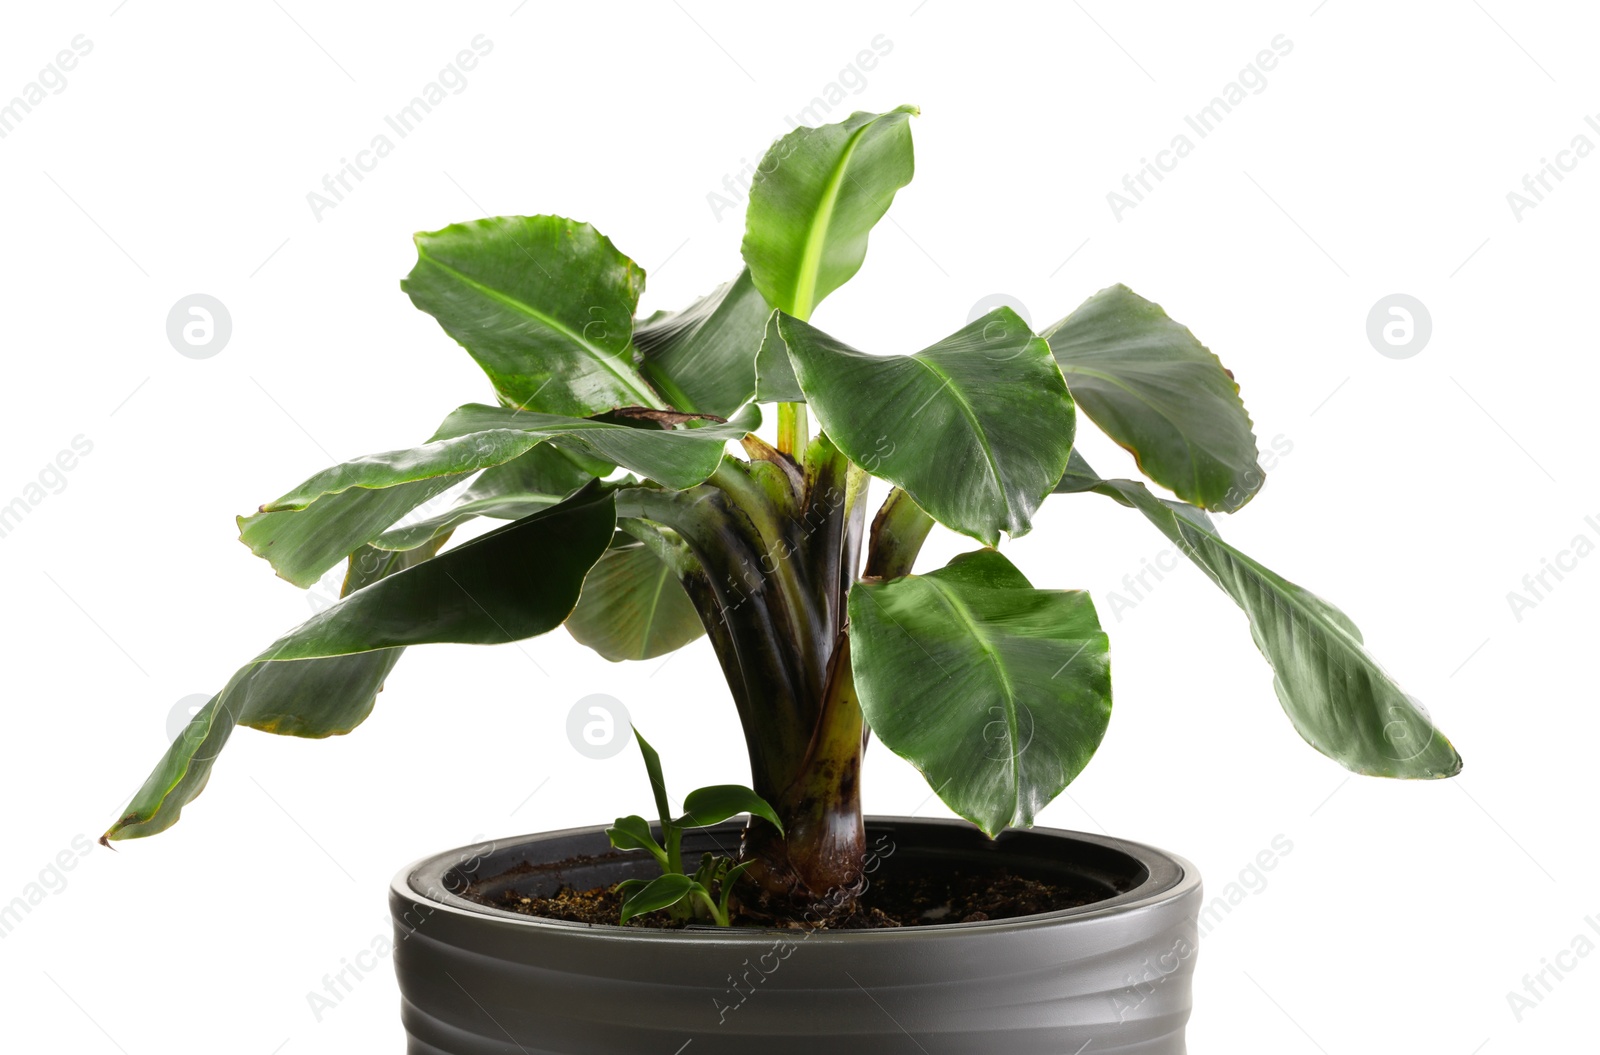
[1340, 700]
[543, 303]
[633, 607]
[999, 693]
[1160, 394]
[976, 428]
[717, 803]
[321, 678]
[472, 438]
[661, 892]
[816, 196]
[703, 358]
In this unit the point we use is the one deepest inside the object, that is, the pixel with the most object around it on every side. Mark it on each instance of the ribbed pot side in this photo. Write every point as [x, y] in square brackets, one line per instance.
[1109, 978]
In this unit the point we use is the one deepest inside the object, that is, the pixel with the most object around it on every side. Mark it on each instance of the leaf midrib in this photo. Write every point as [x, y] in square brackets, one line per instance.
[604, 357]
[977, 430]
[817, 231]
[991, 653]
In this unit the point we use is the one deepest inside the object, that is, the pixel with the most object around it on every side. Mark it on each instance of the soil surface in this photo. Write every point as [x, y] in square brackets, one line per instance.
[890, 901]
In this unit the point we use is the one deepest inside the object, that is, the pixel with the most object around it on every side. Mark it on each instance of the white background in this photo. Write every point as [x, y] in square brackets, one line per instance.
[1416, 495]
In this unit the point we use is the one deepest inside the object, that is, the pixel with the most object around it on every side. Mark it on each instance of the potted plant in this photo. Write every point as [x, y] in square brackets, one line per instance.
[806, 927]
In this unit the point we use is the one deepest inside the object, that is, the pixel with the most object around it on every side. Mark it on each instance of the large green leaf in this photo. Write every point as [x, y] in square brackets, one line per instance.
[472, 438]
[999, 693]
[320, 679]
[543, 303]
[1161, 394]
[976, 429]
[816, 196]
[301, 544]
[519, 488]
[1338, 697]
[703, 358]
[633, 606]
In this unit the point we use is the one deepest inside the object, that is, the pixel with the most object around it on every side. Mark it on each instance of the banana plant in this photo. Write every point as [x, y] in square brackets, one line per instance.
[608, 453]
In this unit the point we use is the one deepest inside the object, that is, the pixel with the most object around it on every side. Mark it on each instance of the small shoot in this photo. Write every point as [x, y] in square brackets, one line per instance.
[706, 893]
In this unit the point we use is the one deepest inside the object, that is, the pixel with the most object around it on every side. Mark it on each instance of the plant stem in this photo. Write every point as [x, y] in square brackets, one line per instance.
[771, 557]
[818, 860]
[794, 429]
[898, 532]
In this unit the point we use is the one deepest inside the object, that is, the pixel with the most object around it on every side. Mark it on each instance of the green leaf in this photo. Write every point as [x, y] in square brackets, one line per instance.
[775, 380]
[977, 428]
[303, 543]
[305, 533]
[518, 581]
[816, 196]
[1338, 697]
[999, 693]
[633, 833]
[715, 804]
[729, 879]
[543, 303]
[658, 783]
[515, 582]
[703, 357]
[477, 437]
[633, 607]
[518, 488]
[661, 892]
[472, 438]
[1162, 395]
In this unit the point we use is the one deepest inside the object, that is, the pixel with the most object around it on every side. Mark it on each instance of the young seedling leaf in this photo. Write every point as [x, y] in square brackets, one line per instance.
[659, 893]
[725, 891]
[633, 833]
[658, 783]
[717, 803]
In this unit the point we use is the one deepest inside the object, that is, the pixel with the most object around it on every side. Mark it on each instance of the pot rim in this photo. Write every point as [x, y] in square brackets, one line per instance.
[1169, 878]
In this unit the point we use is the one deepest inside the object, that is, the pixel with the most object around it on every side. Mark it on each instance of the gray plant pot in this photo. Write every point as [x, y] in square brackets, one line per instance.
[1109, 977]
